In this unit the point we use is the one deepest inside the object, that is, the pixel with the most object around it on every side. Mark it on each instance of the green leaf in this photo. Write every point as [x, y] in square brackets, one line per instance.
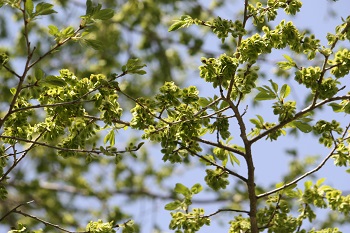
[13, 90]
[320, 181]
[233, 159]
[29, 6]
[274, 85]
[203, 102]
[104, 14]
[176, 25]
[285, 90]
[196, 188]
[173, 205]
[53, 30]
[288, 58]
[256, 122]
[95, 44]
[89, 7]
[261, 119]
[39, 74]
[110, 137]
[302, 126]
[336, 107]
[44, 8]
[182, 189]
[134, 66]
[263, 95]
[53, 81]
[307, 184]
[140, 72]
[284, 65]
[68, 31]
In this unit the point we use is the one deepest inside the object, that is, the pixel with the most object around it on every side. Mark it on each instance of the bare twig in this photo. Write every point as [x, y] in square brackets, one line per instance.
[46, 222]
[301, 177]
[226, 210]
[16, 161]
[14, 209]
[220, 146]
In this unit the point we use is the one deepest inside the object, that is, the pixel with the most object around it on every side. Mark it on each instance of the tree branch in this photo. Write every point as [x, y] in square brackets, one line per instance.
[46, 222]
[16, 161]
[63, 148]
[299, 178]
[219, 145]
[215, 164]
[298, 115]
[14, 209]
[226, 210]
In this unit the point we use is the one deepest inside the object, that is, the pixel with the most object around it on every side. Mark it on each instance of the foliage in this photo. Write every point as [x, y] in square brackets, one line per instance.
[84, 130]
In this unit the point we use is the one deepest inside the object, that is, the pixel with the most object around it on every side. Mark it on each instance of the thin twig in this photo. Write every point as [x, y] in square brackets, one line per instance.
[16, 162]
[225, 169]
[63, 148]
[298, 115]
[299, 178]
[273, 213]
[46, 222]
[14, 209]
[226, 210]
[220, 146]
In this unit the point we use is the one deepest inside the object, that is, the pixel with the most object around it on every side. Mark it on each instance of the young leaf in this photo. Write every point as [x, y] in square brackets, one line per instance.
[203, 102]
[29, 6]
[274, 85]
[110, 137]
[53, 30]
[260, 119]
[264, 95]
[173, 205]
[104, 14]
[39, 74]
[288, 58]
[284, 92]
[176, 25]
[233, 159]
[95, 44]
[182, 189]
[53, 81]
[302, 126]
[196, 188]
[89, 7]
[336, 107]
[257, 123]
[44, 8]
[320, 181]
